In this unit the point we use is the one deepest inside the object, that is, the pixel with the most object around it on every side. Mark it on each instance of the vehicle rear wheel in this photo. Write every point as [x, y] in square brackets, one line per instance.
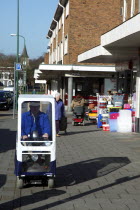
[73, 123]
[19, 183]
[51, 183]
[83, 123]
[7, 107]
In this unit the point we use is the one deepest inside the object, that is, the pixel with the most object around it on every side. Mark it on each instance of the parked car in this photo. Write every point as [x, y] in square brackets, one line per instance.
[10, 96]
[9, 88]
[4, 100]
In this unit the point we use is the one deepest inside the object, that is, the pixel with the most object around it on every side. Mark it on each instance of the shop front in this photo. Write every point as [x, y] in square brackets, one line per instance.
[71, 80]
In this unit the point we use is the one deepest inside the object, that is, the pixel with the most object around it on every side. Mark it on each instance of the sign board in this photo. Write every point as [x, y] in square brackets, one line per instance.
[40, 81]
[18, 66]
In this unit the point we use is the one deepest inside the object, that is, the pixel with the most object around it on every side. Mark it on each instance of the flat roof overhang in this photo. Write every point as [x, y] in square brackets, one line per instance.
[57, 15]
[67, 68]
[53, 71]
[120, 44]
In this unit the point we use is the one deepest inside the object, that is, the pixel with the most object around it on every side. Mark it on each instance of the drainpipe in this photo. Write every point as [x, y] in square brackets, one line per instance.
[52, 46]
[62, 32]
[48, 37]
[56, 41]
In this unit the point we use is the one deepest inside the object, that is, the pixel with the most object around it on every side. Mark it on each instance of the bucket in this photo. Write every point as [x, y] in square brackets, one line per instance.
[106, 127]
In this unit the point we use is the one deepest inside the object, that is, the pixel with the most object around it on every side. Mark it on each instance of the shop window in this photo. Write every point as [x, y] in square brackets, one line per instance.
[79, 87]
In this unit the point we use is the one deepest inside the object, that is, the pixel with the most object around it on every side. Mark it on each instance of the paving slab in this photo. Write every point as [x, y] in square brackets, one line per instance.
[95, 170]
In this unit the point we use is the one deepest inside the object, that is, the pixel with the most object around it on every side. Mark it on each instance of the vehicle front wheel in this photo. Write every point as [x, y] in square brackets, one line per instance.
[19, 183]
[50, 183]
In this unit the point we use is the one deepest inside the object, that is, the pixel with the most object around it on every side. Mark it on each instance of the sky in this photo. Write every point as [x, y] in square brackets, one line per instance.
[35, 17]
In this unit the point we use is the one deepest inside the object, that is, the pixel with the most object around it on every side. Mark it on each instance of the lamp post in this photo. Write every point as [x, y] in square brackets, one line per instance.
[19, 36]
[17, 60]
[17, 56]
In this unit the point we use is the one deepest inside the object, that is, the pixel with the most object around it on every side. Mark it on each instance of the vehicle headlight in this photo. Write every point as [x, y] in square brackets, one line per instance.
[34, 157]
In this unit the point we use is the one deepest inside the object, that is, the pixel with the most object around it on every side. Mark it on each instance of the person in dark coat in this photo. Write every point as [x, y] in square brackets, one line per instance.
[59, 112]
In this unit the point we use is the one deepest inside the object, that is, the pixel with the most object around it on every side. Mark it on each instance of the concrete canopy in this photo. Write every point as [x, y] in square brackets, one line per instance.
[53, 71]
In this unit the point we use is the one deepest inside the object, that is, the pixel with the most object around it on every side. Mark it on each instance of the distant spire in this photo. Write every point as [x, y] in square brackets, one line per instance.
[24, 53]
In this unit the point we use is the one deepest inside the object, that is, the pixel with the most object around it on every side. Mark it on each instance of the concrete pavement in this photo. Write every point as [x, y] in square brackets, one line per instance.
[96, 170]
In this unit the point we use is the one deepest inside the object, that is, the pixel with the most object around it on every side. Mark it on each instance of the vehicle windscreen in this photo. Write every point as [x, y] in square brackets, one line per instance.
[1, 94]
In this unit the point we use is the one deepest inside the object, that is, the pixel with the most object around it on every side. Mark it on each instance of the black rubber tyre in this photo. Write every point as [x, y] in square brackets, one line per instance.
[19, 183]
[50, 183]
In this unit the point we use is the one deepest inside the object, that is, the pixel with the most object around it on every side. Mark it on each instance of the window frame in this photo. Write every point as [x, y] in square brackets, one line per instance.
[66, 45]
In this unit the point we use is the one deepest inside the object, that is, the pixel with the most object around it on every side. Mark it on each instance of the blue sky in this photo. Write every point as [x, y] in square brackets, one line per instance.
[35, 19]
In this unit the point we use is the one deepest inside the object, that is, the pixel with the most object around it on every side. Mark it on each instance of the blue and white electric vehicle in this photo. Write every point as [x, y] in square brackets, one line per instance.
[35, 158]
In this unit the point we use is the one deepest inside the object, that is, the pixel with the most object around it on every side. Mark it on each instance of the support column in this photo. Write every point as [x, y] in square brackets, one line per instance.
[117, 81]
[70, 84]
[63, 98]
[137, 118]
[46, 88]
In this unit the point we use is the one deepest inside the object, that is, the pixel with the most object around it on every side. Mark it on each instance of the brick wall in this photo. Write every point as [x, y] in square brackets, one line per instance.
[88, 21]
[46, 58]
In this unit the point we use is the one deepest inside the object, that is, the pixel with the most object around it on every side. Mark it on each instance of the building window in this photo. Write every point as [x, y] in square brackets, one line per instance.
[63, 19]
[60, 23]
[59, 52]
[67, 9]
[54, 33]
[139, 5]
[66, 45]
[125, 10]
[132, 7]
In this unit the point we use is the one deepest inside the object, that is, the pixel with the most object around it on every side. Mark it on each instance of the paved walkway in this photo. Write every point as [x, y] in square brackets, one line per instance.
[95, 170]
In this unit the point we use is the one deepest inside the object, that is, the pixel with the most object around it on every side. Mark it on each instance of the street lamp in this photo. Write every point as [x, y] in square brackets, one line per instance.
[19, 36]
[24, 43]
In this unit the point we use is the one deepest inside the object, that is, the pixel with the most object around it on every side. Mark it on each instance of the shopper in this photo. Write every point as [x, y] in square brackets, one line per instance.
[59, 112]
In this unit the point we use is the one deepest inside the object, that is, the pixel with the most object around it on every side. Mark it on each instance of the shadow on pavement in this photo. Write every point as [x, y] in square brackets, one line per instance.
[3, 178]
[76, 132]
[87, 170]
[43, 195]
[75, 197]
[29, 199]
[8, 140]
[74, 174]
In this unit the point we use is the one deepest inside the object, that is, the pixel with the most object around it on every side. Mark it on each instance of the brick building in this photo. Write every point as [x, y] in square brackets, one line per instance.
[76, 28]
[121, 45]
